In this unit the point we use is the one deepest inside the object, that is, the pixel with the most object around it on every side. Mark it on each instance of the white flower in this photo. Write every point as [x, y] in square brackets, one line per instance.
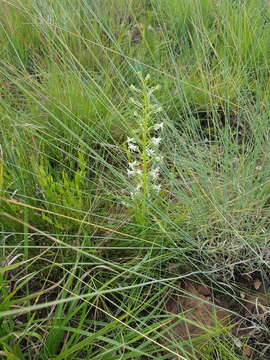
[132, 164]
[159, 158]
[130, 172]
[158, 126]
[157, 187]
[150, 152]
[131, 140]
[156, 140]
[139, 171]
[132, 147]
[154, 173]
[135, 191]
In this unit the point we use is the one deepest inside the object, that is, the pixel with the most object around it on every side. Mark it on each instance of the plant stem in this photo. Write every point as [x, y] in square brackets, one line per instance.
[145, 126]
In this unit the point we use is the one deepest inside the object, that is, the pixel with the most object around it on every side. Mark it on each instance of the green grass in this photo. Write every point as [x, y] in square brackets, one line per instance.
[84, 276]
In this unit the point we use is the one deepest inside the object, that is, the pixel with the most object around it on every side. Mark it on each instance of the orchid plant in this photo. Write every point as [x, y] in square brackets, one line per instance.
[144, 158]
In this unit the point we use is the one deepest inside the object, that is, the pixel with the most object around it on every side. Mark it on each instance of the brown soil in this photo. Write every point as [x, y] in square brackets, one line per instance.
[197, 312]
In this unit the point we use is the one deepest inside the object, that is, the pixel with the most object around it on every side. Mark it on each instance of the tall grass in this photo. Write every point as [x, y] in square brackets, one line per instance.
[83, 276]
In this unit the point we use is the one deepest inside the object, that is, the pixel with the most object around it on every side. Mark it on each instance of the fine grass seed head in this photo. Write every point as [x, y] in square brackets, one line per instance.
[143, 153]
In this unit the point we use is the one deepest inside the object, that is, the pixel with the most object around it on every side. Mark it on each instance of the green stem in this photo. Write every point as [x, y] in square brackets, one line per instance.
[145, 160]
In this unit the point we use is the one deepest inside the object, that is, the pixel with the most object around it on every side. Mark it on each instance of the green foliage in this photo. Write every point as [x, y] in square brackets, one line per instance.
[64, 191]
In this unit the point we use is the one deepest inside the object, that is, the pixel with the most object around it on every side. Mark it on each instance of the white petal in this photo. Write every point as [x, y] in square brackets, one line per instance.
[150, 152]
[130, 172]
[154, 173]
[155, 140]
[159, 158]
[132, 164]
[159, 126]
[132, 147]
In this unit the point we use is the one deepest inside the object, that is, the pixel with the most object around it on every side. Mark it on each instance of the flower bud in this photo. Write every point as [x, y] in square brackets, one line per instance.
[147, 78]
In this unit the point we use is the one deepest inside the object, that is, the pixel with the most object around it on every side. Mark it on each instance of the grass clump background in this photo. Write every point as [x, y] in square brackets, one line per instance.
[98, 241]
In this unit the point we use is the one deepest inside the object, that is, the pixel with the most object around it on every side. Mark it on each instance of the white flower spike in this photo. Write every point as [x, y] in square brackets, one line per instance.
[143, 151]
